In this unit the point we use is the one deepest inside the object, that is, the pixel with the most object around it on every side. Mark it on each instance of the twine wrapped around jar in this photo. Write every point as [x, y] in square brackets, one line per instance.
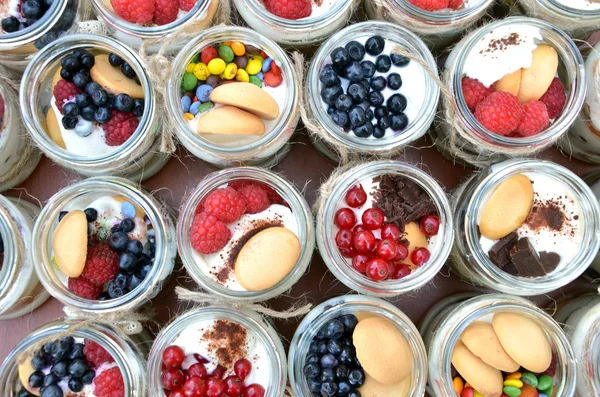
[569, 24]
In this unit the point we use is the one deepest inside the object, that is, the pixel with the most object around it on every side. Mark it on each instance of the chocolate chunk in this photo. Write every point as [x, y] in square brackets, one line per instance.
[526, 259]
[499, 254]
[550, 261]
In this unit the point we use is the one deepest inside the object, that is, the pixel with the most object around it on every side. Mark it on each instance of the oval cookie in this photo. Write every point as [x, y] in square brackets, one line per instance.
[112, 80]
[53, 128]
[69, 243]
[373, 388]
[509, 83]
[536, 79]
[25, 370]
[484, 378]
[481, 340]
[267, 258]
[416, 239]
[229, 120]
[247, 96]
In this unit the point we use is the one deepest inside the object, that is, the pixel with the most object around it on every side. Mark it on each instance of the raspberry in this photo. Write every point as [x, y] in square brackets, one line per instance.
[474, 92]
[187, 5]
[554, 98]
[239, 183]
[226, 204]
[430, 5]
[109, 383]
[1, 110]
[274, 197]
[119, 127]
[101, 264]
[454, 4]
[165, 11]
[535, 120]
[208, 234]
[95, 353]
[84, 288]
[272, 80]
[136, 11]
[256, 198]
[501, 112]
[63, 92]
[289, 9]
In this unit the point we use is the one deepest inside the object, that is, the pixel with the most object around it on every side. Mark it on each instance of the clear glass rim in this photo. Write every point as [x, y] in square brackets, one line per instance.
[13, 255]
[434, 18]
[589, 365]
[565, 10]
[42, 26]
[290, 194]
[299, 24]
[337, 263]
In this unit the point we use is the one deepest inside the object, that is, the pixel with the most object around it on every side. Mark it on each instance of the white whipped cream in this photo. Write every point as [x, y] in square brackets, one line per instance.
[587, 5]
[592, 66]
[10, 140]
[491, 59]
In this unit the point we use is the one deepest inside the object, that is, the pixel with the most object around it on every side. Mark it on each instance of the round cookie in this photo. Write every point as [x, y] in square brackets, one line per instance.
[69, 243]
[484, 378]
[248, 97]
[481, 340]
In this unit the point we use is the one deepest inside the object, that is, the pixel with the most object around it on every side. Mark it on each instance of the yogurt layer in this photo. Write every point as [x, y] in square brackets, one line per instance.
[592, 66]
[587, 5]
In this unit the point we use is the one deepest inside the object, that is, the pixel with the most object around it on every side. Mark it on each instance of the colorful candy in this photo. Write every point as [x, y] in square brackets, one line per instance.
[226, 53]
[458, 384]
[216, 66]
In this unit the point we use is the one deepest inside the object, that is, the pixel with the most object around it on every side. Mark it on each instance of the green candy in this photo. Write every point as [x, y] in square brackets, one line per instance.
[256, 81]
[530, 379]
[548, 391]
[195, 59]
[189, 82]
[544, 382]
[226, 53]
[206, 106]
[512, 391]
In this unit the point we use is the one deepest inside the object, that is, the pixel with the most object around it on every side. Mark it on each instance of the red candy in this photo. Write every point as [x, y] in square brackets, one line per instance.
[208, 54]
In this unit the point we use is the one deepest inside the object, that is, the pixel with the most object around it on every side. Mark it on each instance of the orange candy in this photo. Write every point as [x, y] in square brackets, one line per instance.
[458, 384]
[238, 48]
[529, 391]
[272, 80]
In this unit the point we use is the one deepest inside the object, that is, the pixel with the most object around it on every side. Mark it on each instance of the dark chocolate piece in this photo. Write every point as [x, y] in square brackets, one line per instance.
[550, 261]
[499, 254]
[526, 259]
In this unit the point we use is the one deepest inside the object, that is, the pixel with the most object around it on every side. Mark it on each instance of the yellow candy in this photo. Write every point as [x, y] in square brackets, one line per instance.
[189, 116]
[230, 71]
[238, 48]
[514, 375]
[242, 75]
[216, 66]
[201, 71]
[254, 65]
[513, 382]
[458, 385]
[477, 394]
[190, 67]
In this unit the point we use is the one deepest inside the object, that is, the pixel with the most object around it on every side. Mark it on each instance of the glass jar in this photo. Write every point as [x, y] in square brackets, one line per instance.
[82, 193]
[61, 19]
[339, 265]
[18, 156]
[324, 21]
[138, 158]
[475, 141]
[579, 18]
[354, 304]
[472, 263]
[20, 289]
[128, 351]
[273, 145]
[387, 146]
[455, 315]
[593, 180]
[262, 330]
[437, 29]
[296, 202]
[133, 35]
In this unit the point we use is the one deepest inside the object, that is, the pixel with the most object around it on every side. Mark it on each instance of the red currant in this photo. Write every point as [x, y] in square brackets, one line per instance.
[391, 231]
[401, 271]
[216, 387]
[364, 242]
[198, 370]
[358, 228]
[402, 252]
[378, 269]
[219, 372]
[242, 368]
[234, 387]
[194, 387]
[373, 218]
[345, 218]
[420, 256]
[173, 356]
[430, 224]
[201, 359]
[255, 390]
[356, 196]
[172, 378]
[177, 393]
[348, 252]
[343, 238]
[359, 262]
[387, 249]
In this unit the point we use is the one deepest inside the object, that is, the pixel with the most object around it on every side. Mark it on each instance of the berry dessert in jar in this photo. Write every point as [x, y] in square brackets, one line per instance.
[134, 21]
[104, 245]
[357, 346]
[89, 105]
[385, 229]
[233, 96]
[296, 23]
[366, 96]
[579, 18]
[217, 351]
[496, 345]
[245, 233]
[515, 86]
[27, 26]
[524, 227]
[437, 22]
[97, 360]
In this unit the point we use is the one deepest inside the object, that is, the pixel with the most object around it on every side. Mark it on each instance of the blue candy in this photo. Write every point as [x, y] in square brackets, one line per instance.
[203, 92]
[542, 395]
[194, 108]
[260, 75]
[186, 101]
[266, 66]
[84, 128]
[128, 209]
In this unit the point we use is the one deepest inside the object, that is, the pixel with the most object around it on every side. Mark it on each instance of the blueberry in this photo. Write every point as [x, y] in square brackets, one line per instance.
[71, 109]
[127, 262]
[340, 57]
[353, 72]
[378, 132]
[127, 70]
[343, 388]
[10, 24]
[328, 389]
[24, 393]
[374, 45]
[396, 103]
[378, 83]
[67, 340]
[355, 50]
[69, 122]
[384, 123]
[88, 61]
[369, 114]
[22, 25]
[36, 379]
[357, 118]
[327, 375]
[76, 351]
[399, 122]
[78, 367]
[60, 369]
[115, 60]
[356, 378]
[71, 63]
[340, 118]
[52, 391]
[376, 98]
[50, 347]
[148, 250]
[103, 296]
[118, 241]
[343, 102]
[51, 379]
[135, 247]
[383, 63]
[62, 215]
[330, 94]
[91, 214]
[127, 225]
[123, 103]
[82, 100]
[354, 393]
[114, 291]
[368, 69]
[81, 80]
[314, 385]
[88, 112]
[102, 114]
[92, 87]
[312, 370]
[75, 384]
[143, 272]
[100, 97]
[346, 355]
[120, 280]
[329, 76]
[380, 112]
[394, 81]
[138, 107]
[357, 92]
[66, 20]
[341, 372]
[399, 60]
[322, 348]
[88, 377]
[330, 110]
[62, 351]
[365, 83]
[133, 282]
[312, 358]
[365, 130]
[365, 105]
[66, 75]
[334, 346]
[32, 9]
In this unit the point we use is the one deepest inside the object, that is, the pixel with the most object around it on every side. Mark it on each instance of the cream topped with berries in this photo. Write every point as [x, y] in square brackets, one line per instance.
[155, 12]
[298, 9]
[441, 5]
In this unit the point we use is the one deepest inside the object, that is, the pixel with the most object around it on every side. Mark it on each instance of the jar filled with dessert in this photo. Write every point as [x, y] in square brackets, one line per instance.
[579, 18]
[90, 106]
[104, 246]
[385, 228]
[245, 234]
[524, 227]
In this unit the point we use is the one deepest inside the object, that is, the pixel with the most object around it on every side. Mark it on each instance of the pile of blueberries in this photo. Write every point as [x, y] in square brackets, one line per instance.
[94, 103]
[66, 359]
[355, 108]
[331, 367]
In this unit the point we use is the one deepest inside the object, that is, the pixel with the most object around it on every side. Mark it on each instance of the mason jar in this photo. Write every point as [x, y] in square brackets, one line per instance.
[387, 146]
[78, 196]
[471, 261]
[362, 306]
[20, 289]
[267, 150]
[455, 315]
[301, 212]
[324, 21]
[61, 19]
[128, 352]
[579, 18]
[18, 155]
[593, 180]
[439, 245]
[461, 137]
[438, 29]
[138, 158]
[267, 350]
[199, 17]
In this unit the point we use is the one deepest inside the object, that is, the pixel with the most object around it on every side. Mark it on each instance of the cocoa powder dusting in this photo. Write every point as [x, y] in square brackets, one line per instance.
[503, 43]
[548, 214]
[228, 340]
